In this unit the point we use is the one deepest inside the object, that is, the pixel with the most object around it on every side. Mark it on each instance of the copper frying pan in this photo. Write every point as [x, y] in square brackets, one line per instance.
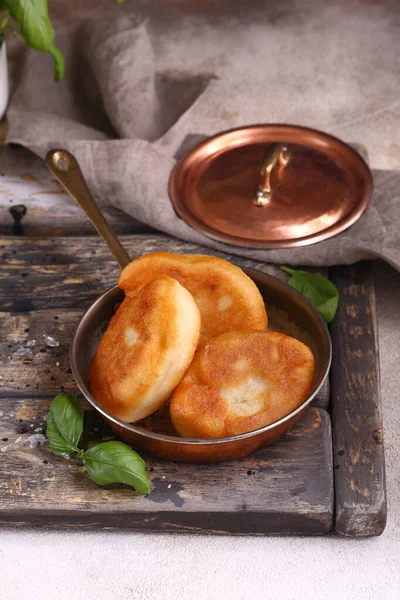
[154, 435]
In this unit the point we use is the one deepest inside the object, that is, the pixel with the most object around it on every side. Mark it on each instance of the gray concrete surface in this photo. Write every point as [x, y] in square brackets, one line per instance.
[356, 45]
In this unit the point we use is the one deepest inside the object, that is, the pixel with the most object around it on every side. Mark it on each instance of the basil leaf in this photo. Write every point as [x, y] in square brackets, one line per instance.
[35, 28]
[321, 292]
[59, 63]
[64, 424]
[115, 462]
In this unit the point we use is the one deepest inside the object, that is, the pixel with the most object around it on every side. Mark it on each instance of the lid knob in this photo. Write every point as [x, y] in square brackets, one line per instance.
[275, 152]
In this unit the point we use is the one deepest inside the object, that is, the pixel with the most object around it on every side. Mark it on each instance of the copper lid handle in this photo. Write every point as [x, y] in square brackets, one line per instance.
[66, 169]
[275, 152]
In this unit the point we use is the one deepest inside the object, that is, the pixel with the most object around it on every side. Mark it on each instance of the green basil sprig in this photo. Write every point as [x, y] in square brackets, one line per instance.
[321, 292]
[108, 462]
[35, 27]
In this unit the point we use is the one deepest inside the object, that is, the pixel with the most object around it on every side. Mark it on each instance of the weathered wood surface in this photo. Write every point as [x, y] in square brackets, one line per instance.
[284, 489]
[360, 493]
[50, 211]
[47, 284]
[79, 269]
[48, 278]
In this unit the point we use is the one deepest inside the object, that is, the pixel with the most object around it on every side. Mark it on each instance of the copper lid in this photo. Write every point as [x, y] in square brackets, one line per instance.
[271, 186]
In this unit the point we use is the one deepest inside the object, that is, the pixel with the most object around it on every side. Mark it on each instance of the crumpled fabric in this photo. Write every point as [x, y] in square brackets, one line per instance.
[132, 102]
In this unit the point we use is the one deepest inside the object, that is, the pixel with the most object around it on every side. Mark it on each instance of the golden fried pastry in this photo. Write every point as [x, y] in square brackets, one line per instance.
[241, 381]
[148, 345]
[226, 297]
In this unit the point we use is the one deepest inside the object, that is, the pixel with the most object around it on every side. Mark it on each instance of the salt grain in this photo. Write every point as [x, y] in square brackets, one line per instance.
[38, 429]
[18, 440]
[169, 485]
[50, 341]
[1, 413]
[30, 343]
[57, 364]
[22, 351]
[37, 439]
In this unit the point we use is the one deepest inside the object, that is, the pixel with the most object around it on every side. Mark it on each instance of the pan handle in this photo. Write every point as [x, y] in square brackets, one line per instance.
[66, 169]
[275, 152]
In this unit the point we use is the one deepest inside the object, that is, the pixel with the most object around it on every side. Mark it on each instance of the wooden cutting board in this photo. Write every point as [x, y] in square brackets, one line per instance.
[326, 475]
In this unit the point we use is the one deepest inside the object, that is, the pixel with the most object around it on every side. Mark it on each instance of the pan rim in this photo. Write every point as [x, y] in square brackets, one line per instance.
[175, 440]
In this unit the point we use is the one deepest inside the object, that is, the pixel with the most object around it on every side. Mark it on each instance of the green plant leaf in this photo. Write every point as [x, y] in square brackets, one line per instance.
[59, 62]
[36, 30]
[3, 20]
[64, 424]
[115, 462]
[321, 292]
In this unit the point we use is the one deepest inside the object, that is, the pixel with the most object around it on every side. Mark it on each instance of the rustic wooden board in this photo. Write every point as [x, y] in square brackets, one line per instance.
[284, 489]
[72, 272]
[45, 285]
[360, 492]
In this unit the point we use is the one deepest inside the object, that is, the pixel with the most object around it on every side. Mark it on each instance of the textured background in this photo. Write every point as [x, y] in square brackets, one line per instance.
[353, 48]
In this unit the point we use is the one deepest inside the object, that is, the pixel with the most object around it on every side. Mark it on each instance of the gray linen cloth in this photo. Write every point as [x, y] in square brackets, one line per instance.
[126, 120]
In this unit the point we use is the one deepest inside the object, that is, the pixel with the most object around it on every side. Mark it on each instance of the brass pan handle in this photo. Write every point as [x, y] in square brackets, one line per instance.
[275, 152]
[66, 169]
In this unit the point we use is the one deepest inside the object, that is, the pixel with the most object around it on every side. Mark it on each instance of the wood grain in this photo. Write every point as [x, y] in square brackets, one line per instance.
[360, 493]
[72, 272]
[35, 347]
[82, 267]
[287, 488]
[47, 284]
[25, 180]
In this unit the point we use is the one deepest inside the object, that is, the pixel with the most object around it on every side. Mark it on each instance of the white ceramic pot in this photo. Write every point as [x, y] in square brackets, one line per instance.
[4, 89]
